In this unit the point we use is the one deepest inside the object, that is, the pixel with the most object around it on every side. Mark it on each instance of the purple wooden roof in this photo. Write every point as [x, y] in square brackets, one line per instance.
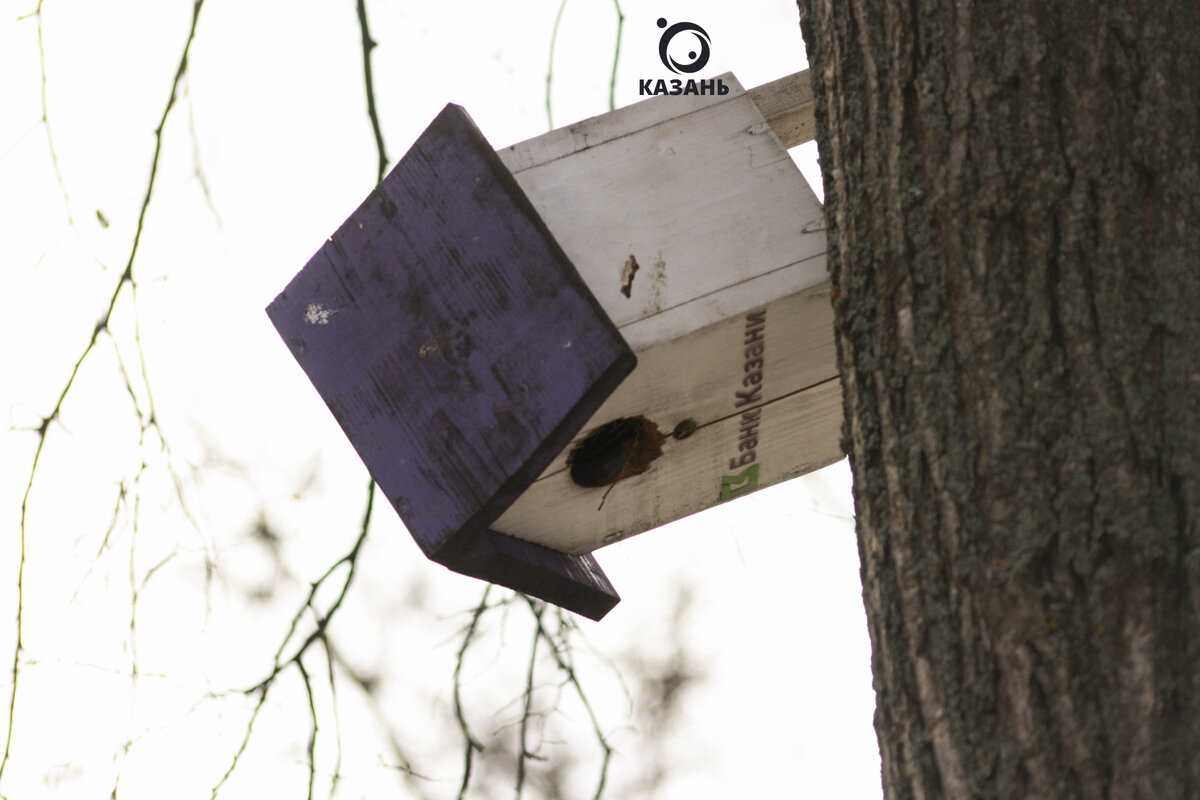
[460, 351]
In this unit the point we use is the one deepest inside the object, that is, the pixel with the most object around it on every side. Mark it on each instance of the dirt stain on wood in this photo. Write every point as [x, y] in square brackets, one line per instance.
[658, 285]
[627, 272]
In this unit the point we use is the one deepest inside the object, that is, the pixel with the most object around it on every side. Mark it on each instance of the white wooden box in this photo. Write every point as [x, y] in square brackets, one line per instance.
[701, 240]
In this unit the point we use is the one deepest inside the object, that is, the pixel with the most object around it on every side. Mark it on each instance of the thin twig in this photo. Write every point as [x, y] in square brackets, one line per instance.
[263, 687]
[472, 743]
[134, 591]
[612, 80]
[568, 669]
[527, 706]
[570, 628]
[312, 739]
[237, 756]
[101, 326]
[337, 721]
[550, 63]
[197, 165]
[368, 686]
[62, 184]
[368, 44]
[350, 559]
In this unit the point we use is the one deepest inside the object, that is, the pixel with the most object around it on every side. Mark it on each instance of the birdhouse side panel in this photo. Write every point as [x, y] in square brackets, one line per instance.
[736, 407]
[677, 215]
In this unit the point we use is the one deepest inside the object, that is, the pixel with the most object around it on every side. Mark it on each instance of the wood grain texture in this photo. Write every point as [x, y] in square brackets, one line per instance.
[698, 190]
[454, 343]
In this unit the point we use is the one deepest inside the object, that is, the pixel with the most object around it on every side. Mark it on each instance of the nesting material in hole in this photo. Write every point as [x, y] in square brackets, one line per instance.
[618, 449]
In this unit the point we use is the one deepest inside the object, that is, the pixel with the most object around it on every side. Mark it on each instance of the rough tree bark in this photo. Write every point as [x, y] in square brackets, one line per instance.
[1014, 229]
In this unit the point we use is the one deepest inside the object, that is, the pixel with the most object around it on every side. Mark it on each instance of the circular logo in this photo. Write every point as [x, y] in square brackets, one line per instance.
[696, 59]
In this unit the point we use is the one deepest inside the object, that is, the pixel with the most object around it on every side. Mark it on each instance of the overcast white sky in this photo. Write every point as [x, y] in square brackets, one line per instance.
[273, 113]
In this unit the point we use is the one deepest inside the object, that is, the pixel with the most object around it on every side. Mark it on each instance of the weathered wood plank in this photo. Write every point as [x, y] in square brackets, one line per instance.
[607, 127]
[678, 212]
[574, 582]
[786, 104]
[698, 377]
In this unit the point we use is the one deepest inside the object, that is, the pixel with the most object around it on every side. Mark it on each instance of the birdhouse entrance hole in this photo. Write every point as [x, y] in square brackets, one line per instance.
[618, 449]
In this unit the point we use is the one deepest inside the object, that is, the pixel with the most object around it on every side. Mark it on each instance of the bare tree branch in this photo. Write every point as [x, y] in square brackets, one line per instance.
[369, 686]
[612, 81]
[337, 664]
[472, 743]
[535, 717]
[197, 164]
[263, 687]
[368, 44]
[537, 608]
[550, 64]
[561, 657]
[45, 120]
[337, 721]
[312, 739]
[101, 326]
[350, 559]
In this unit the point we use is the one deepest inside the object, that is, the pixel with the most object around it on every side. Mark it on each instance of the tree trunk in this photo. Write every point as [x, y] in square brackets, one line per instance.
[1014, 235]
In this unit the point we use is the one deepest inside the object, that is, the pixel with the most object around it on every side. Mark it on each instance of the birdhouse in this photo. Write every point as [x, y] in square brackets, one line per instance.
[540, 351]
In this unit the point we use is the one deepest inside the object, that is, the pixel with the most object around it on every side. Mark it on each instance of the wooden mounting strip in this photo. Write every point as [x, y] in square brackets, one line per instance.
[787, 105]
